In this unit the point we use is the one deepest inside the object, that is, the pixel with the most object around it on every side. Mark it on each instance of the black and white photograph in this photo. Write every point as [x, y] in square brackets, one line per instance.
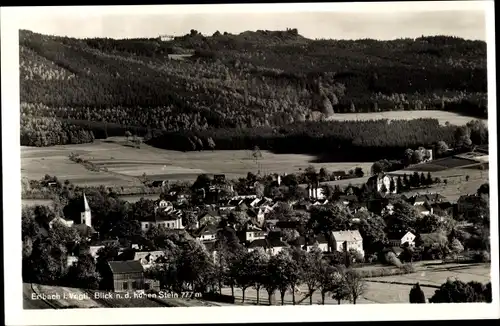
[325, 157]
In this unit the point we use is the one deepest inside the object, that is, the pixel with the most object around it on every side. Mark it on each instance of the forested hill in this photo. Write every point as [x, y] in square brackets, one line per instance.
[262, 78]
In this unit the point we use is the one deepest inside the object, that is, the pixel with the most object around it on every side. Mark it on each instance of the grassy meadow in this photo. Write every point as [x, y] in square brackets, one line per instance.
[442, 116]
[123, 165]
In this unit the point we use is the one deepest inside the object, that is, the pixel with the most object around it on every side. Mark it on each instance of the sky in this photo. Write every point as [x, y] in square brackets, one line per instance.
[380, 21]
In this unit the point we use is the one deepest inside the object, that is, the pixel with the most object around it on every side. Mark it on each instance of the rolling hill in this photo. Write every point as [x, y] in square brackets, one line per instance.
[93, 88]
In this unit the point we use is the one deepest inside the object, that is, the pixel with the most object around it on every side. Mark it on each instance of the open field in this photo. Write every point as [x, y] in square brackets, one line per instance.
[125, 164]
[456, 182]
[442, 116]
[381, 290]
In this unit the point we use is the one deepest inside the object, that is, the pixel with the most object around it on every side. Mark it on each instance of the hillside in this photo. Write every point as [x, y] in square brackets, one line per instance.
[254, 79]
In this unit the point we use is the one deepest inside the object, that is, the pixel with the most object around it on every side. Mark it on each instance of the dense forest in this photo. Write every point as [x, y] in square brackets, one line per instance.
[256, 79]
[357, 139]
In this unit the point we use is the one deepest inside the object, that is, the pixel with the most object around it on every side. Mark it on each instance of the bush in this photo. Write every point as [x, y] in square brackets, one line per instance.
[391, 258]
[417, 295]
[482, 257]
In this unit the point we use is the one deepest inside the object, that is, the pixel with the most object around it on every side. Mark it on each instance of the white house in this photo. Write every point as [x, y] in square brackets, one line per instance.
[347, 240]
[253, 232]
[315, 191]
[399, 239]
[383, 183]
[165, 215]
[311, 242]
[148, 258]
[271, 246]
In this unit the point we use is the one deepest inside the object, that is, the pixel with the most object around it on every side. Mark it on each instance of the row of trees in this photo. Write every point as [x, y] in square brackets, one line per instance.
[364, 139]
[454, 291]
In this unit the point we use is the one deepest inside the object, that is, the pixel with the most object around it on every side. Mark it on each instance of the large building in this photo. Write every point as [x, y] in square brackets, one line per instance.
[347, 240]
[383, 183]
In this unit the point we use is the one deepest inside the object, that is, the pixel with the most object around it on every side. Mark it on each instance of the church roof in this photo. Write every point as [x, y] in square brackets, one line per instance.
[85, 203]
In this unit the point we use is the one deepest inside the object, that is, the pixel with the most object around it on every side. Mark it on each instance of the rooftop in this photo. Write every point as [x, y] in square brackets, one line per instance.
[128, 266]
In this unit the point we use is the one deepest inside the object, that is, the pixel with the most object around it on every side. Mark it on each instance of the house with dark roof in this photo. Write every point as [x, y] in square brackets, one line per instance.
[209, 217]
[272, 246]
[208, 232]
[347, 240]
[125, 276]
[308, 243]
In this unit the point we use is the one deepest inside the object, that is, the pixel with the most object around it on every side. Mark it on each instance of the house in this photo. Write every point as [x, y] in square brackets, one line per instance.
[315, 191]
[338, 175]
[272, 246]
[430, 198]
[347, 240]
[382, 183]
[308, 243]
[320, 202]
[173, 222]
[209, 217]
[208, 232]
[165, 215]
[125, 276]
[149, 258]
[400, 239]
[424, 210]
[251, 232]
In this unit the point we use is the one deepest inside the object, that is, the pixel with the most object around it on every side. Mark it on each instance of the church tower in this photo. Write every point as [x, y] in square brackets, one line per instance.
[86, 217]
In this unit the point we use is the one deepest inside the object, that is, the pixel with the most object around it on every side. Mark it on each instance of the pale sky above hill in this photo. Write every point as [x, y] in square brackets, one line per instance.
[382, 21]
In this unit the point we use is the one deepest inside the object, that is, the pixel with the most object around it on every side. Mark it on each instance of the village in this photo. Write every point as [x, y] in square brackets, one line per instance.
[392, 220]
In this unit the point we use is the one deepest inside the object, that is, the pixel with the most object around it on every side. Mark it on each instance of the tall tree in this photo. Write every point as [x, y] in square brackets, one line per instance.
[312, 270]
[356, 285]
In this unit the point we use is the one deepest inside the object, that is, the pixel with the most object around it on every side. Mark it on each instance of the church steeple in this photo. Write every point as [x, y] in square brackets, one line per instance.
[86, 207]
[86, 215]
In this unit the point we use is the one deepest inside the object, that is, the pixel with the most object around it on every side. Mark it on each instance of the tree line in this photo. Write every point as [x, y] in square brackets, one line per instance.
[357, 139]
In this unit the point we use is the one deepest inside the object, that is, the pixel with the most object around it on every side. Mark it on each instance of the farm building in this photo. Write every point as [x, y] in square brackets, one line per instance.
[125, 276]
[348, 240]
